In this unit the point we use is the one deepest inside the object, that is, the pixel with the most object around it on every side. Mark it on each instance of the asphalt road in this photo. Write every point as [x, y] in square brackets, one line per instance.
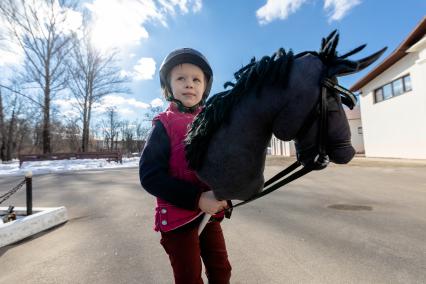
[360, 223]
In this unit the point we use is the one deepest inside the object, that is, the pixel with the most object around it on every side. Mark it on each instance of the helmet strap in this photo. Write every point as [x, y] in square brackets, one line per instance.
[183, 108]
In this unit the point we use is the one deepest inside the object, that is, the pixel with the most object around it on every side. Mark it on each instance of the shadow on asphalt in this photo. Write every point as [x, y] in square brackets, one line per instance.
[4, 249]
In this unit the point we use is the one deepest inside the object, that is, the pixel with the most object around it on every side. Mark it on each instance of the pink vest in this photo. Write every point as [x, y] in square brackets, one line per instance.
[168, 216]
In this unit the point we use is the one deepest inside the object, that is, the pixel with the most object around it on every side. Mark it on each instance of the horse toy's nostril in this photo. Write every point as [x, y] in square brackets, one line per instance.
[321, 161]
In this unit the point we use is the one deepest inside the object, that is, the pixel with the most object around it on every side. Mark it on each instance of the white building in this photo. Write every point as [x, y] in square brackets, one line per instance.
[287, 148]
[355, 124]
[282, 148]
[393, 101]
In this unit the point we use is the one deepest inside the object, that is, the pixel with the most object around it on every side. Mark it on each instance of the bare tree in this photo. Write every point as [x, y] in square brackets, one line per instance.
[141, 131]
[10, 126]
[142, 127]
[23, 136]
[93, 74]
[152, 112]
[72, 131]
[39, 28]
[2, 130]
[111, 128]
[126, 134]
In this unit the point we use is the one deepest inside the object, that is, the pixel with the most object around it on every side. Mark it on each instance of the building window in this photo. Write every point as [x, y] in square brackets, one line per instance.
[360, 130]
[393, 89]
[378, 95]
[398, 87]
[387, 91]
[407, 83]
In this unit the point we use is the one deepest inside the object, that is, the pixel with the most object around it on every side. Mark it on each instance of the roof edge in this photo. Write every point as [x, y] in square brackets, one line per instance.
[417, 34]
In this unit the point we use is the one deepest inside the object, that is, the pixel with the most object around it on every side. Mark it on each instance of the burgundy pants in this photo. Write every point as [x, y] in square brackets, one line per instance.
[185, 248]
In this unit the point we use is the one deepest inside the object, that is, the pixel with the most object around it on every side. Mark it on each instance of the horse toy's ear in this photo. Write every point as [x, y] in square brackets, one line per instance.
[344, 67]
[340, 65]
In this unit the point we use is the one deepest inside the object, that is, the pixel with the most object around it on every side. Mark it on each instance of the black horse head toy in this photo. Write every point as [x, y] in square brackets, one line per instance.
[294, 97]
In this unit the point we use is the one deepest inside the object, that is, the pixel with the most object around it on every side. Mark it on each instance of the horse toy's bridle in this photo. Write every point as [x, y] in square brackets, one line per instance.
[321, 160]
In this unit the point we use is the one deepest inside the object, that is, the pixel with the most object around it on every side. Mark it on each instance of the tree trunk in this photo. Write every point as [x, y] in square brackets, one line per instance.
[83, 138]
[85, 146]
[88, 124]
[2, 131]
[9, 146]
[20, 140]
[46, 123]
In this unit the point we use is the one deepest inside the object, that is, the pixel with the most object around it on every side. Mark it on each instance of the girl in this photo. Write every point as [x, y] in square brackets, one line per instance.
[182, 199]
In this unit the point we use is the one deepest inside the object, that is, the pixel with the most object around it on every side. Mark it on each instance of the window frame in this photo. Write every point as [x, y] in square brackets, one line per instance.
[392, 89]
[394, 94]
[403, 82]
[376, 94]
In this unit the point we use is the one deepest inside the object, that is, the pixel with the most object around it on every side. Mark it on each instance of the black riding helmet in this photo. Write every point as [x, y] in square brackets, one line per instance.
[180, 56]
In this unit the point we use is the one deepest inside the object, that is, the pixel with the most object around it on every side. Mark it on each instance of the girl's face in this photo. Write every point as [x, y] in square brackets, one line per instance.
[188, 83]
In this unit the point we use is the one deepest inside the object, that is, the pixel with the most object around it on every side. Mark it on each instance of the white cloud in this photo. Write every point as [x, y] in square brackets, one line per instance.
[339, 8]
[184, 6]
[120, 24]
[70, 113]
[66, 107]
[197, 6]
[157, 102]
[73, 21]
[277, 9]
[281, 9]
[67, 20]
[125, 111]
[10, 52]
[137, 104]
[123, 105]
[11, 57]
[65, 103]
[144, 69]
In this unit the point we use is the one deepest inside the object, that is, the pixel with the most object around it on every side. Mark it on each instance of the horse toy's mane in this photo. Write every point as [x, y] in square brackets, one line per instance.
[253, 76]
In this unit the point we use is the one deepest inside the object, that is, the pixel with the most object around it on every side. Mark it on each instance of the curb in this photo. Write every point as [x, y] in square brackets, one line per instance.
[42, 219]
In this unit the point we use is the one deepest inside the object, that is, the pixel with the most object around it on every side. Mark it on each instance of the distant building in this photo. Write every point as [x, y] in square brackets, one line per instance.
[393, 101]
[355, 124]
[282, 148]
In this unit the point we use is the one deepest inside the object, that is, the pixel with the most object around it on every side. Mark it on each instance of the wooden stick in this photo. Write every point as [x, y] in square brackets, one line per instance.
[203, 223]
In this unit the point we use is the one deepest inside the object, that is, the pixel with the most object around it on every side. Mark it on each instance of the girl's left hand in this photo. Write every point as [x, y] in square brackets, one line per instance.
[209, 204]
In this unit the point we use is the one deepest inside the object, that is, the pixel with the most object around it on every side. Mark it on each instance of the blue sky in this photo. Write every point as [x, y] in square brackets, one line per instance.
[231, 32]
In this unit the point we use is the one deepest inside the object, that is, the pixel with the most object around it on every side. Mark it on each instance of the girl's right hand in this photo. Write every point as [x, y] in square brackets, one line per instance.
[209, 204]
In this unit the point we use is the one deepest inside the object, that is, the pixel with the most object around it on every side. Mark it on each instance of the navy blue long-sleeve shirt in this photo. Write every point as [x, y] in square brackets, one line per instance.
[154, 172]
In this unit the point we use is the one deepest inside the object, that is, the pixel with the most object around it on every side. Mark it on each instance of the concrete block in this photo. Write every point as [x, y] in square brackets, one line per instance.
[42, 219]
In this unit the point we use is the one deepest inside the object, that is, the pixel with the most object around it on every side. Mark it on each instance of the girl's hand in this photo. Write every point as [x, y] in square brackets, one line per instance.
[209, 204]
